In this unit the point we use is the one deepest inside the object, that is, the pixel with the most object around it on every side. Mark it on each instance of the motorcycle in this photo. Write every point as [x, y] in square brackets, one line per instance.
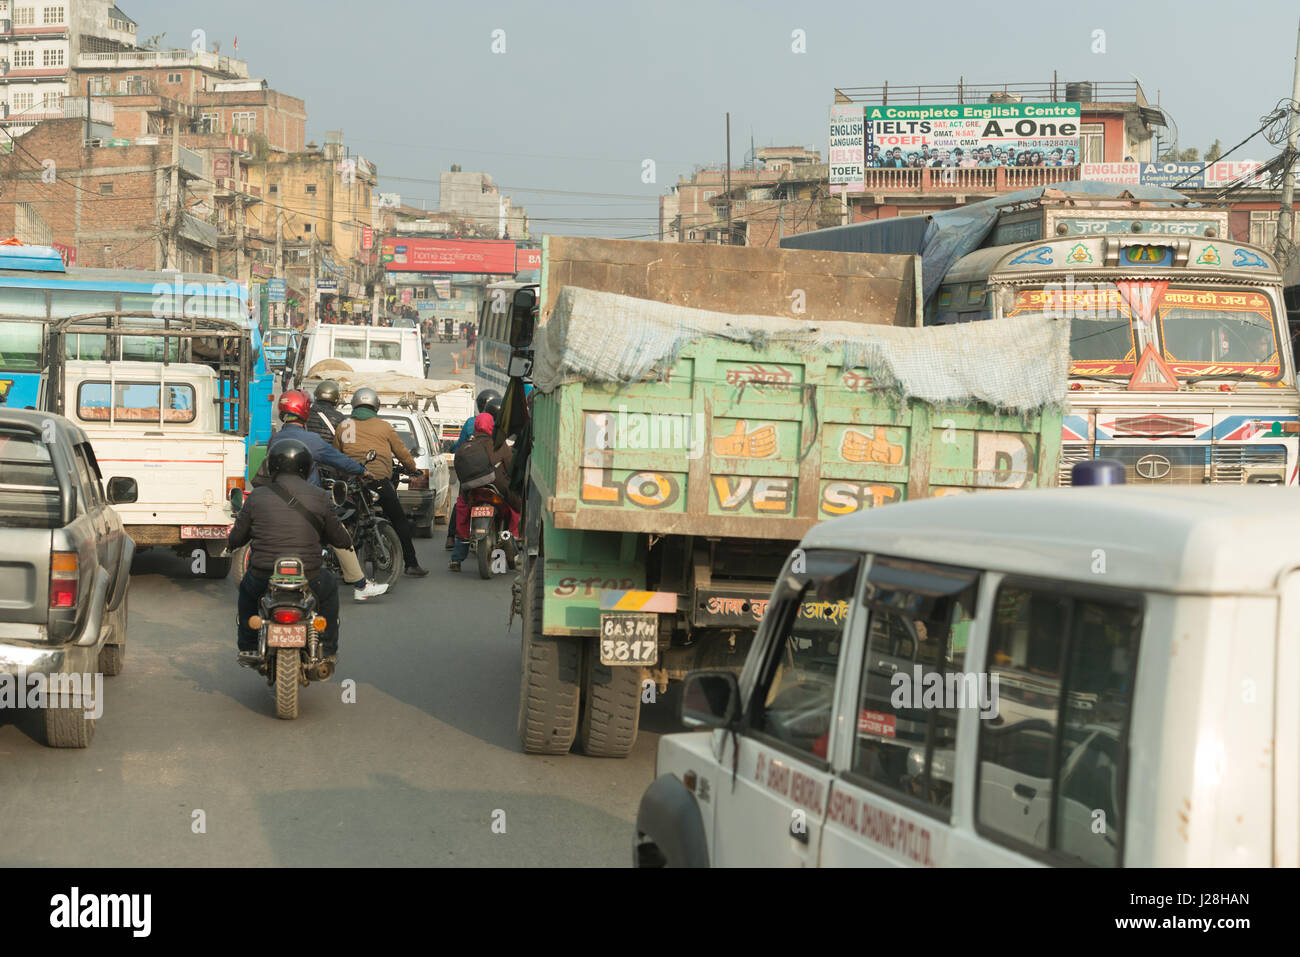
[378, 547]
[489, 523]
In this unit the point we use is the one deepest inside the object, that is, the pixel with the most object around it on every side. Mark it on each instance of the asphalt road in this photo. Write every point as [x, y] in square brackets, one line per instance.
[414, 772]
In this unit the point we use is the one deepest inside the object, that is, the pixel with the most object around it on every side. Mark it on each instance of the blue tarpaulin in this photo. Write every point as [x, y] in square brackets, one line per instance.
[940, 240]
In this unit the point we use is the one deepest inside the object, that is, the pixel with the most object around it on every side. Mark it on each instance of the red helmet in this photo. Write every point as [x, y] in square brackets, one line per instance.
[295, 403]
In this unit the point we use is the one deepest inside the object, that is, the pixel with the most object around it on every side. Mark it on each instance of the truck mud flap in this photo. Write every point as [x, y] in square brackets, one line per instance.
[123, 573]
[669, 819]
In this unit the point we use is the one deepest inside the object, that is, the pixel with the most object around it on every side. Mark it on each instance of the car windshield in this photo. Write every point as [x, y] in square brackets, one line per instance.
[277, 338]
[403, 429]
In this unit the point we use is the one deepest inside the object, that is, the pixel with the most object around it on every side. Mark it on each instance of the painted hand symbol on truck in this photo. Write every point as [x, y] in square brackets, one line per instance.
[758, 444]
[874, 448]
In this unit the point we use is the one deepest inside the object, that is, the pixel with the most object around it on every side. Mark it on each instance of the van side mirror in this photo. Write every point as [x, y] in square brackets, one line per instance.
[710, 699]
[122, 490]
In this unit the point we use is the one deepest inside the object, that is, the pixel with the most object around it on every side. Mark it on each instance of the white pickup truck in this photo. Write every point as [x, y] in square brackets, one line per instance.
[160, 424]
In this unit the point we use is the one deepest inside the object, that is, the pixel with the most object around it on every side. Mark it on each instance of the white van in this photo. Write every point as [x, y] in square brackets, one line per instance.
[1145, 644]
[363, 349]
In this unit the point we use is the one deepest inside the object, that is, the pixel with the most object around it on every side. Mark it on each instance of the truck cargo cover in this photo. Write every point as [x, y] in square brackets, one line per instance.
[1016, 364]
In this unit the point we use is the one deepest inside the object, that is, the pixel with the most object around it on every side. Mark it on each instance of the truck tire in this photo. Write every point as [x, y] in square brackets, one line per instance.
[114, 651]
[548, 687]
[287, 667]
[68, 727]
[425, 530]
[611, 706]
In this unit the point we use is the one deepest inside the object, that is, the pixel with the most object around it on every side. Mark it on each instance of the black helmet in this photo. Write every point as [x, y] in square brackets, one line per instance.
[493, 407]
[366, 397]
[289, 455]
[327, 391]
[486, 396]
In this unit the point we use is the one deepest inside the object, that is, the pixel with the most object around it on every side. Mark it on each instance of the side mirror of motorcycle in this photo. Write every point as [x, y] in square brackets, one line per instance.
[339, 492]
[370, 456]
[236, 500]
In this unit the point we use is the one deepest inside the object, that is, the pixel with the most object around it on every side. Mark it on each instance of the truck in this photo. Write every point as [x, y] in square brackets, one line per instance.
[686, 435]
[178, 428]
[326, 349]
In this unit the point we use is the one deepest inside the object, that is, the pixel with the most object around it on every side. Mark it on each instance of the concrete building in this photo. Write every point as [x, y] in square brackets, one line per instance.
[475, 199]
[40, 44]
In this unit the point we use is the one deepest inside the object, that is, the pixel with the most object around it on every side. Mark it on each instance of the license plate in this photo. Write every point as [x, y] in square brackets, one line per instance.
[629, 639]
[482, 511]
[205, 531]
[286, 636]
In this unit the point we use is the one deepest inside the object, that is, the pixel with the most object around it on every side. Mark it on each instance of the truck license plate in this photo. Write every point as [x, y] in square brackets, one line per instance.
[206, 531]
[286, 636]
[629, 639]
[482, 511]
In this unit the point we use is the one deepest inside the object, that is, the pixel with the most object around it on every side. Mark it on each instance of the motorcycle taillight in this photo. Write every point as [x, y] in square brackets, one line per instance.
[285, 616]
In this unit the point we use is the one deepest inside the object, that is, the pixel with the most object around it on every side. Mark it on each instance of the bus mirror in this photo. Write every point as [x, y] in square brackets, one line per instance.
[521, 365]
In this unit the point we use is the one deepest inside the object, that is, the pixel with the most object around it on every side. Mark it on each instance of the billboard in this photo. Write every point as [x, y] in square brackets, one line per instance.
[847, 143]
[477, 256]
[527, 259]
[1181, 175]
[969, 135]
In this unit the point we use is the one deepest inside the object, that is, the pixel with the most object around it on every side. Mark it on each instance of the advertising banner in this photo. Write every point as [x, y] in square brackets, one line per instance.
[1123, 173]
[526, 259]
[1173, 175]
[275, 290]
[848, 143]
[367, 237]
[470, 256]
[969, 135]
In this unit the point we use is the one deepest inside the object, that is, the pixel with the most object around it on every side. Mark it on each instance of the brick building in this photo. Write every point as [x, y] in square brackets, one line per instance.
[105, 206]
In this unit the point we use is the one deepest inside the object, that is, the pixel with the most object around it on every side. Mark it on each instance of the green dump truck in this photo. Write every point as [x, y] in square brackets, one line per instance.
[679, 454]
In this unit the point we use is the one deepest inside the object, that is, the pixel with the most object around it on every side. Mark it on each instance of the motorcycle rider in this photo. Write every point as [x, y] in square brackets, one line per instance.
[365, 431]
[325, 416]
[489, 401]
[479, 464]
[273, 525]
[294, 407]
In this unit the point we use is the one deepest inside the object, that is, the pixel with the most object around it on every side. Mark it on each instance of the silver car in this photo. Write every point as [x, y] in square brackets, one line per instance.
[429, 501]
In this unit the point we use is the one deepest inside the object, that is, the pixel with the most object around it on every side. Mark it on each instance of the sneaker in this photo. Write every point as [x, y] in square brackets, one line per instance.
[371, 590]
[415, 571]
[454, 566]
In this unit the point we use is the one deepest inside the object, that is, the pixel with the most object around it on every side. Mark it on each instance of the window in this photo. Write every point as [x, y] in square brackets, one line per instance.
[349, 348]
[403, 429]
[51, 101]
[20, 343]
[174, 78]
[306, 228]
[243, 122]
[52, 57]
[106, 188]
[24, 16]
[387, 351]
[796, 689]
[210, 123]
[24, 58]
[1263, 227]
[52, 16]
[135, 402]
[91, 488]
[1092, 143]
[1052, 765]
[29, 487]
[311, 189]
[273, 188]
[914, 681]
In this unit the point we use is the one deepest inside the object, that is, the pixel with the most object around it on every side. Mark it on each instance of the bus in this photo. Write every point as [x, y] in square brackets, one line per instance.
[37, 289]
[1181, 366]
[502, 302]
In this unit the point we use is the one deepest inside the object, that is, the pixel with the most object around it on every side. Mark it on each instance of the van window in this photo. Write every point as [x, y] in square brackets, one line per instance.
[134, 402]
[914, 680]
[349, 348]
[387, 351]
[29, 487]
[796, 688]
[1053, 764]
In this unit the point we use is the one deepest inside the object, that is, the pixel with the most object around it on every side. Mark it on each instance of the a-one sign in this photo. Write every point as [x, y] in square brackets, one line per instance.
[1180, 175]
[476, 256]
[971, 134]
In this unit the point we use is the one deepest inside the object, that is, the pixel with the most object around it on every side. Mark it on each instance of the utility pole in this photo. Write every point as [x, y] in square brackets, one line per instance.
[87, 112]
[311, 285]
[728, 179]
[279, 264]
[1285, 218]
[239, 232]
[174, 198]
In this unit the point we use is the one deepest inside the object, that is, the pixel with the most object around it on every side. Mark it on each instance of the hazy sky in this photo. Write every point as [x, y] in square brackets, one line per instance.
[586, 91]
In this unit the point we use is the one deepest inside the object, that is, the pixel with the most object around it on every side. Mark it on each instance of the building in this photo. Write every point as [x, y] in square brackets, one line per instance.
[785, 192]
[103, 206]
[40, 44]
[475, 199]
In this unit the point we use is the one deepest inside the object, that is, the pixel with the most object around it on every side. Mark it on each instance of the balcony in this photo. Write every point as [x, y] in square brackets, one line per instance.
[1055, 91]
[161, 59]
[987, 179]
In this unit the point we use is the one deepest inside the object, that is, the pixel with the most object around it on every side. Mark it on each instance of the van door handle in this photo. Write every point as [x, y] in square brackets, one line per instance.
[800, 834]
[1025, 791]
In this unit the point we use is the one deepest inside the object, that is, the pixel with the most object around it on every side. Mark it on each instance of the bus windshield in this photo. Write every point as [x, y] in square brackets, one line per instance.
[1202, 330]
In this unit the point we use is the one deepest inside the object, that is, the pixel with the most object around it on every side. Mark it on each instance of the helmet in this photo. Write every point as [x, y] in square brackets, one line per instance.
[327, 391]
[366, 397]
[294, 402]
[486, 396]
[493, 406]
[289, 455]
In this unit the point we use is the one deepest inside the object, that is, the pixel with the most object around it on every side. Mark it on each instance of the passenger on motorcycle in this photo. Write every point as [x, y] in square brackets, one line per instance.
[325, 416]
[478, 464]
[294, 406]
[288, 517]
[489, 401]
[366, 431]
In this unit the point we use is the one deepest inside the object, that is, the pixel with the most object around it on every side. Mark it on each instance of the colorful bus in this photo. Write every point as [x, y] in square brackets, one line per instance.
[37, 289]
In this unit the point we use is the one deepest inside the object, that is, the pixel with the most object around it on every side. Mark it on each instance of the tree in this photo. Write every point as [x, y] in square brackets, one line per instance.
[1214, 152]
[154, 42]
[1190, 155]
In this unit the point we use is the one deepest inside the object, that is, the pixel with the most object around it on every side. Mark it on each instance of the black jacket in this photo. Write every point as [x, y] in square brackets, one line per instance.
[277, 530]
[321, 413]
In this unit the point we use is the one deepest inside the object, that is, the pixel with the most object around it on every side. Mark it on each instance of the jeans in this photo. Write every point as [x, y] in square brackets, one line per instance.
[324, 586]
[397, 517]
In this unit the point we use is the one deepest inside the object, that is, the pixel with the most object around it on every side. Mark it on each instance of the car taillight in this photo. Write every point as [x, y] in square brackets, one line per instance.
[285, 616]
[63, 580]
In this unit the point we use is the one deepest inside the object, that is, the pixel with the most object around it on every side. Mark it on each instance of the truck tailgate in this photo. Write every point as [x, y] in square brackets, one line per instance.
[181, 479]
[25, 574]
